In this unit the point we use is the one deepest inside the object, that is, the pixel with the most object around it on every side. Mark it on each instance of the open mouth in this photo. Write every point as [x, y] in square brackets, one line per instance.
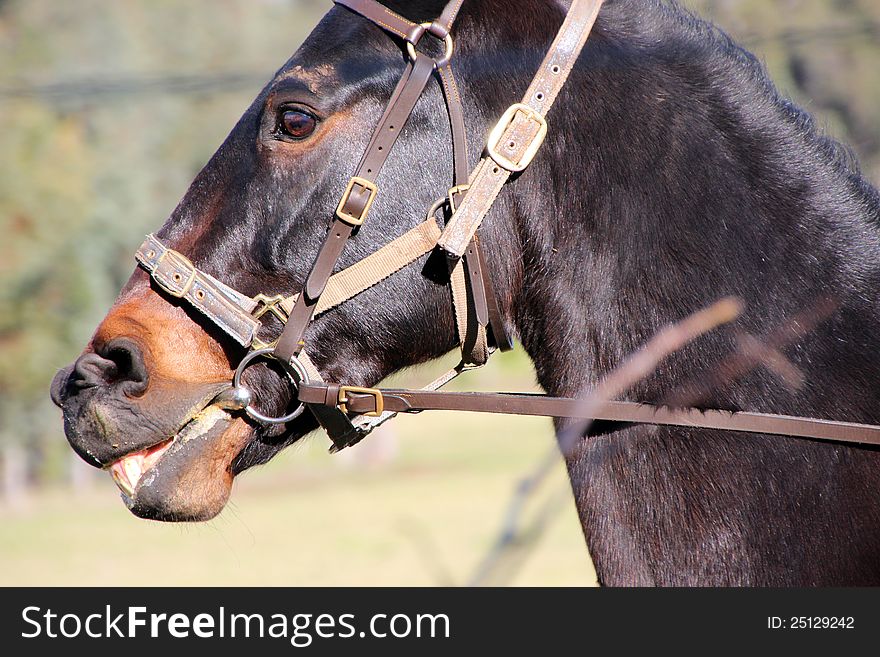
[128, 470]
[137, 469]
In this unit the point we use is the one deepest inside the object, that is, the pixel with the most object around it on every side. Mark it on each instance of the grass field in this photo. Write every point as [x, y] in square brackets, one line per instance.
[427, 517]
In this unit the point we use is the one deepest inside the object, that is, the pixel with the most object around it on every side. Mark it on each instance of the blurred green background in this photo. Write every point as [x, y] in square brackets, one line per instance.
[108, 109]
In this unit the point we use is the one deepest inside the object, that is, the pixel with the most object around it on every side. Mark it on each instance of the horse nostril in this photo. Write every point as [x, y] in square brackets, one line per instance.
[91, 370]
[118, 362]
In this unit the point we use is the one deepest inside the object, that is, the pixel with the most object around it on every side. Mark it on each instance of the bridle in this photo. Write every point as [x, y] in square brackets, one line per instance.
[350, 413]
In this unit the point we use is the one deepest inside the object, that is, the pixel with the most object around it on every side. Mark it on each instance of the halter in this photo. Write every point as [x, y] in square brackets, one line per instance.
[350, 413]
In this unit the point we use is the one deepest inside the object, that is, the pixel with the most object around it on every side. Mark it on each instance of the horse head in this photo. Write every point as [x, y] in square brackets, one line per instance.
[140, 399]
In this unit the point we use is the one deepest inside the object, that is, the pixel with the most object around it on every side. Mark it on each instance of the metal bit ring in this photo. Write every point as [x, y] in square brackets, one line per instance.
[296, 374]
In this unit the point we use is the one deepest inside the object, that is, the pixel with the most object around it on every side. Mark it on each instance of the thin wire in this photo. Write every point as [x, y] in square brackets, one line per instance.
[199, 84]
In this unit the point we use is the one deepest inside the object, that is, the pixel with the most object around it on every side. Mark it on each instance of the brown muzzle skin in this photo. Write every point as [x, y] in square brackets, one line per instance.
[138, 402]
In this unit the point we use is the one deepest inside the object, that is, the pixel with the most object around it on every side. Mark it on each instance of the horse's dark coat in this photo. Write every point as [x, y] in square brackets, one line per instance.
[674, 174]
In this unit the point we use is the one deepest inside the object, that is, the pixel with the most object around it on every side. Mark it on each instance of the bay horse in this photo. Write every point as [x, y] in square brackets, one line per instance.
[674, 173]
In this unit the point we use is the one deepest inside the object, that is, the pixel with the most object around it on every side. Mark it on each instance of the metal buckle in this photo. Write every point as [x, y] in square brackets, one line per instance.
[436, 30]
[351, 219]
[449, 200]
[342, 399]
[176, 276]
[458, 189]
[499, 130]
[269, 305]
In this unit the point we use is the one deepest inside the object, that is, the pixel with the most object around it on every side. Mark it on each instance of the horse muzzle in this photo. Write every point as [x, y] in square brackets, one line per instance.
[168, 447]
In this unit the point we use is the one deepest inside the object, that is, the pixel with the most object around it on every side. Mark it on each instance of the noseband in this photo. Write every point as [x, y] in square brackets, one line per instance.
[349, 413]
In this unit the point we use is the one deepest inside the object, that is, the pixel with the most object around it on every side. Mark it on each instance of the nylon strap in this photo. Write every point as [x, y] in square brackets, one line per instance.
[233, 312]
[522, 129]
[291, 341]
[510, 149]
[471, 306]
[375, 268]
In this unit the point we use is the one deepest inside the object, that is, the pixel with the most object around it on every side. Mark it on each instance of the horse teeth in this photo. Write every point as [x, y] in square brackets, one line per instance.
[121, 480]
[133, 466]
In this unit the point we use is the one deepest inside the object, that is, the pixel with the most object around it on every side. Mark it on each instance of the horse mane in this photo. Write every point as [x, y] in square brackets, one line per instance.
[722, 44]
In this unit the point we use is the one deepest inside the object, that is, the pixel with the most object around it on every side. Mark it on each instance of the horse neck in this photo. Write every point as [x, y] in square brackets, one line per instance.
[675, 175]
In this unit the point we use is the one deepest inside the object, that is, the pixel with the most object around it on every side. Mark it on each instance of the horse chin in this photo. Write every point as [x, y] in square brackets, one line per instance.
[187, 478]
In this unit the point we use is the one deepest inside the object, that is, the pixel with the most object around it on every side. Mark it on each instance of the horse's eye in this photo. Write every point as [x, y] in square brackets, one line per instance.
[296, 123]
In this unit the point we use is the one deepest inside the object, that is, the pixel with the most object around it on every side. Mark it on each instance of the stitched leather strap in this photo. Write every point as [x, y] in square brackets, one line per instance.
[510, 149]
[392, 22]
[415, 401]
[469, 297]
[450, 13]
[366, 425]
[177, 276]
[483, 297]
[233, 312]
[380, 15]
[291, 341]
[473, 325]
[521, 130]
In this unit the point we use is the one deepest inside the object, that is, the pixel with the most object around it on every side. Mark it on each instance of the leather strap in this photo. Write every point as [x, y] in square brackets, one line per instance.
[339, 427]
[474, 339]
[177, 276]
[454, 107]
[499, 333]
[522, 129]
[479, 295]
[450, 13]
[366, 425]
[466, 278]
[291, 341]
[375, 268]
[511, 148]
[416, 401]
[394, 23]
[380, 15]
[233, 312]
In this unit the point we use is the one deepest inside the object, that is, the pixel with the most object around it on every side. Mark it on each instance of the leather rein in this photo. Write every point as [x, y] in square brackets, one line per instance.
[350, 413]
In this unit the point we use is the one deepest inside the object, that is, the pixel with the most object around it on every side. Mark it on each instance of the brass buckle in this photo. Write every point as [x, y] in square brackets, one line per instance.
[342, 399]
[269, 305]
[499, 130]
[177, 277]
[350, 219]
[458, 189]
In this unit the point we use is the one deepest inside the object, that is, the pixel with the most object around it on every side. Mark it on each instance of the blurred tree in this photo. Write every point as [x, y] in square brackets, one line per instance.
[83, 177]
[821, 53]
